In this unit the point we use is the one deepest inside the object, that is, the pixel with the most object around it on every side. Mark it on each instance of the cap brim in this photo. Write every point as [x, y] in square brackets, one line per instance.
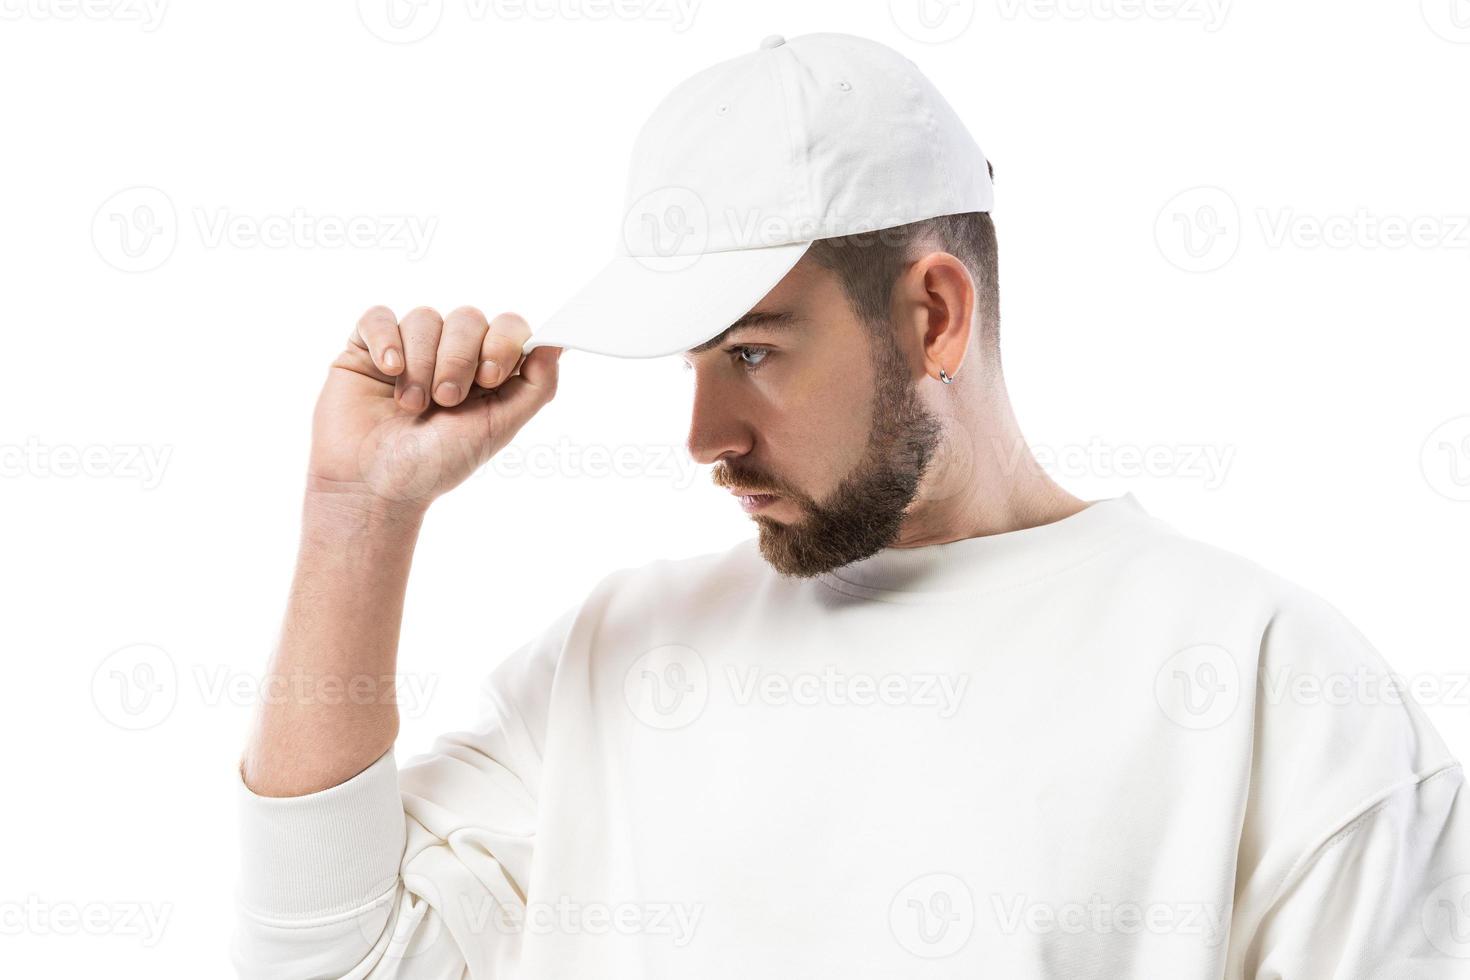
[652, 307]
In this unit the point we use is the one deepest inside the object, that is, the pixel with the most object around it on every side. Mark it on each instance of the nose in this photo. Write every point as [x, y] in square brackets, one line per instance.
[716, 428]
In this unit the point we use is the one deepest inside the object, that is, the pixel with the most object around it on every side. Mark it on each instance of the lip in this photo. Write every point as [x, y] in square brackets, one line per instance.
[750, 503]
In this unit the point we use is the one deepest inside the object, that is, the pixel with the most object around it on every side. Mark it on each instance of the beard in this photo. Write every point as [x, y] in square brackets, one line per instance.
[865, 513]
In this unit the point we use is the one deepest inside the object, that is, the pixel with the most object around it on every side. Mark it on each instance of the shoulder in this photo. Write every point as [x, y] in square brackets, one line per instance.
[692, 584]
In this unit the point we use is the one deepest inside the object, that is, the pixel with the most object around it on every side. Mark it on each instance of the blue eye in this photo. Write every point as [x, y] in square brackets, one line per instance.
[741, 351]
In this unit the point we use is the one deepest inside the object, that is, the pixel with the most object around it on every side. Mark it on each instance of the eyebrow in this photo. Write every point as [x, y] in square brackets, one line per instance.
[770, 319]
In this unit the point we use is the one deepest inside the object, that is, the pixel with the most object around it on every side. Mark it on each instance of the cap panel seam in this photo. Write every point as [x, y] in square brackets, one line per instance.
[796, 148]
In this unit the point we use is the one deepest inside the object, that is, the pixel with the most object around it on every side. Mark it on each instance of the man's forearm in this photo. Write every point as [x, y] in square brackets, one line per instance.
[329, 709]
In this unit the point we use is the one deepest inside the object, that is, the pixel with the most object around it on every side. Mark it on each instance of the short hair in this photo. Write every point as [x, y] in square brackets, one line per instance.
[869, 263]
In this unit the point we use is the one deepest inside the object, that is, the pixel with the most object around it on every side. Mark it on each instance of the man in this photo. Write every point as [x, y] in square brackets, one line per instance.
[940, 718]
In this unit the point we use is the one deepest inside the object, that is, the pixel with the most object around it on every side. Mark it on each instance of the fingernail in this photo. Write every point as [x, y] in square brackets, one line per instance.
[447, 393]
[391, 359]
[489, 371]
[413, 398]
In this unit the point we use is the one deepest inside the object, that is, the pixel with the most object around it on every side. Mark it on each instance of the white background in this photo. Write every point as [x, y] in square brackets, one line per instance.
[1293, 372]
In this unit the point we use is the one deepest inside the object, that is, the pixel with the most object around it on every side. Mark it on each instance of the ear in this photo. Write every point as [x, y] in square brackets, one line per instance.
[935, 298]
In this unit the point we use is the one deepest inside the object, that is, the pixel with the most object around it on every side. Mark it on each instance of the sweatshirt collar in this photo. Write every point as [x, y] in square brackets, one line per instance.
[992, 560]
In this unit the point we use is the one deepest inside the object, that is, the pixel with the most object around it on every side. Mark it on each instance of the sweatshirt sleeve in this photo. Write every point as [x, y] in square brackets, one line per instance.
[413, 871]
[1354, 859]
[1388, 895]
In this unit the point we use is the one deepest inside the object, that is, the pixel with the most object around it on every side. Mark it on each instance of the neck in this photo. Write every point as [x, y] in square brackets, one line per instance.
[985, 480]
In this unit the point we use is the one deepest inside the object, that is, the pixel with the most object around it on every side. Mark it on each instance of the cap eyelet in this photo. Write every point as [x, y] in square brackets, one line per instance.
[724, 109]
[845, 85]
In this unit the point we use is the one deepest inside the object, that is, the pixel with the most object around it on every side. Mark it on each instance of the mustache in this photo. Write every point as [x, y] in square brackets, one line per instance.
[724, 476]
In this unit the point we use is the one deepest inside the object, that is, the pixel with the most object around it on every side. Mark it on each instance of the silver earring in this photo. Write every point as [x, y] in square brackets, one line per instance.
[945, 377]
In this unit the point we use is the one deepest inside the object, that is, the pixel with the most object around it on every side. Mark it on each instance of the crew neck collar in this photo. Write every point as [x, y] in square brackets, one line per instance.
[992, 560]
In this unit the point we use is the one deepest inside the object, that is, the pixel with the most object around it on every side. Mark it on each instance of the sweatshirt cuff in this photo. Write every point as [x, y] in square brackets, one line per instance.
[326, 853]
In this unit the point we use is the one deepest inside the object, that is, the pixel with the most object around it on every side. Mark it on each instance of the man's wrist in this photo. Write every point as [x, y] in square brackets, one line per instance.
[356, 512]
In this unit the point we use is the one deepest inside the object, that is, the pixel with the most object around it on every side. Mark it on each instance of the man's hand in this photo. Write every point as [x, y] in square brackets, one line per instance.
[408, 412]
[412, 408]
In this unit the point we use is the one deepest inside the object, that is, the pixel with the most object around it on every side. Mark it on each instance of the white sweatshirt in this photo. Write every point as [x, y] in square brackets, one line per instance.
[1091, 749]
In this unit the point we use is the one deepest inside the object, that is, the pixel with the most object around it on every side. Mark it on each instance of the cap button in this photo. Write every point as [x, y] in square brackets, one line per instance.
[773, 41]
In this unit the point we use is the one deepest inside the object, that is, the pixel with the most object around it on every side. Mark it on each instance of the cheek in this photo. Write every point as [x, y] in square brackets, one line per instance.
[823, 432]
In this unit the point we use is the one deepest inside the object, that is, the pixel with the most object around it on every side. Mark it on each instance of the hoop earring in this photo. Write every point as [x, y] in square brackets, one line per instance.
[945, 377]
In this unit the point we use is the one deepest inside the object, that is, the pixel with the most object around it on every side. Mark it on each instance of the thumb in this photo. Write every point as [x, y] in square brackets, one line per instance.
[523, 395]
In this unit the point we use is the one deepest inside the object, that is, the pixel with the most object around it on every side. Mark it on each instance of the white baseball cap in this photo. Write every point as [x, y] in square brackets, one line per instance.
[743, 165]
